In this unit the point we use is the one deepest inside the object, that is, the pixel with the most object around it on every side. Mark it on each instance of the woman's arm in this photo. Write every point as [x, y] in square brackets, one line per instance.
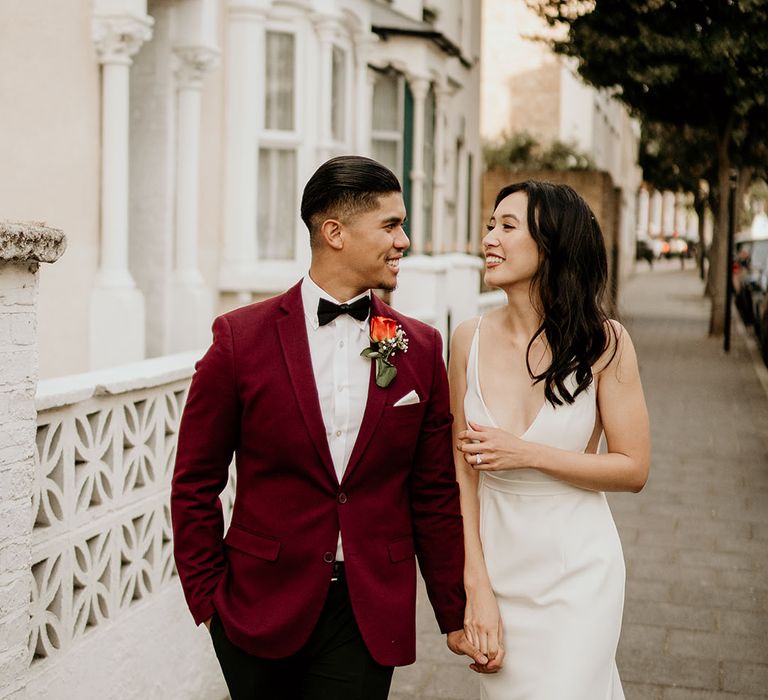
[482, 623]
[624, 417]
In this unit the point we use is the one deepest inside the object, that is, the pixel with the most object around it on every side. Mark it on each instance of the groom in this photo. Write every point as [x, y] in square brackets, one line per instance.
[344, 466]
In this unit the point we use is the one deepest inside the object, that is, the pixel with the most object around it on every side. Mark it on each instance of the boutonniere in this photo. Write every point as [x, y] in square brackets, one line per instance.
[387, 336]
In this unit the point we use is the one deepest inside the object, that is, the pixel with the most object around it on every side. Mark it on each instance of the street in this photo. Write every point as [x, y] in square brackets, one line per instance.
[696, 538]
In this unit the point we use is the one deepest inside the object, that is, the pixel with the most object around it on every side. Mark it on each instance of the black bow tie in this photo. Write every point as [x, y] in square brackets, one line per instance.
[327, 311]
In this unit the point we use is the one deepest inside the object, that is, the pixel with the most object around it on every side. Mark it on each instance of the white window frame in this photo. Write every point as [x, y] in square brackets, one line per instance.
[343, 145]
[396, 135]
[278, 275]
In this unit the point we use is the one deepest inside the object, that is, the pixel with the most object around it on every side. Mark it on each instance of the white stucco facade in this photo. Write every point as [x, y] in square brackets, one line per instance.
[183, 133]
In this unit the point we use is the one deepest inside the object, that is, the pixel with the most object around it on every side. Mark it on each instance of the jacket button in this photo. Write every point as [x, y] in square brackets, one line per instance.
[342, 498]
[328, 557]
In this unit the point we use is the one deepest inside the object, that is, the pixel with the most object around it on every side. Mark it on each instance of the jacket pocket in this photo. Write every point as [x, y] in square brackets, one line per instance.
[251, 543]
[401, 549]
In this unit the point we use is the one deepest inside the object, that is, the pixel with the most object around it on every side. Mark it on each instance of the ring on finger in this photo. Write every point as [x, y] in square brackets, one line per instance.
[479, 459]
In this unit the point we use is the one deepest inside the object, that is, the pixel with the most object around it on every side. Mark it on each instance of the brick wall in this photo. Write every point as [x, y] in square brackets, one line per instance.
[21, 247]
[18, 370]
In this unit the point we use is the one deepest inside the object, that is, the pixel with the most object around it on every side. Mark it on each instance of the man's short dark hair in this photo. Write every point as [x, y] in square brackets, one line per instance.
[342, 187]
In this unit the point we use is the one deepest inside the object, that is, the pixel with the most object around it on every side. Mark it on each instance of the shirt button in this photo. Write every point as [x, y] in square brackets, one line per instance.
[338, 433]
[342, 497]
[341, 388]
[341, 343]
[328, 557]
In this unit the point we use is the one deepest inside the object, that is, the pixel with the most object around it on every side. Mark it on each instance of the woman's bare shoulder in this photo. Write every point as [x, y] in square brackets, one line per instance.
[462, 335]
[619, 349]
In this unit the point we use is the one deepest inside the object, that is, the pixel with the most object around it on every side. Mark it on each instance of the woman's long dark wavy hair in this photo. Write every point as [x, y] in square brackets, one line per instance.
[571, 282]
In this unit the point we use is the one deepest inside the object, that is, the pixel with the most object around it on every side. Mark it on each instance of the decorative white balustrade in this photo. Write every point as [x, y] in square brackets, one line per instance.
[102, 542]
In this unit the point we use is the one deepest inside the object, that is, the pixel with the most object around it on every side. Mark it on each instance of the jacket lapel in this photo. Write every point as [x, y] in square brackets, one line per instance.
[292, 329]
[373, 407]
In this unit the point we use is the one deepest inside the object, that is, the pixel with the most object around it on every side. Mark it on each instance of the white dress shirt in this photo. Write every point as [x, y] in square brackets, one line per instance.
[341, 375]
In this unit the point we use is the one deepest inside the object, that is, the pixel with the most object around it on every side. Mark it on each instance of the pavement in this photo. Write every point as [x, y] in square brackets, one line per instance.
[696, 538]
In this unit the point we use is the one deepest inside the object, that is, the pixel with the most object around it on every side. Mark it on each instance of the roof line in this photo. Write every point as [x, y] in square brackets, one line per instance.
[442, 41]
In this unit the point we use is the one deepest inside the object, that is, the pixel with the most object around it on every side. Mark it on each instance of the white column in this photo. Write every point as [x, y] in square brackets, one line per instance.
[643, 212]
[668, 213]
[116, 324]
[191, 300]
[365, 79]
[244, 117]
[419, 88]
[681, 213]
[439, 234]
[326, 30]
[656, 202]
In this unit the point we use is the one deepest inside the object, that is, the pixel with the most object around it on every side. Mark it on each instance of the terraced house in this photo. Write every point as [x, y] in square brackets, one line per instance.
[170, 140]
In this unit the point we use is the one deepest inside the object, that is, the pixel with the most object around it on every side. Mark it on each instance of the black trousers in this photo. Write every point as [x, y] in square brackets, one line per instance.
[334, 664]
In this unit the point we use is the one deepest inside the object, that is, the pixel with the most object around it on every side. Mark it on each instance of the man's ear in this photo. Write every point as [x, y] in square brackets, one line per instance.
[331, 233]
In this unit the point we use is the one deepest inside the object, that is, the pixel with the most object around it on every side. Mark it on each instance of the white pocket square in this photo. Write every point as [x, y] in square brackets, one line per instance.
[408, 399]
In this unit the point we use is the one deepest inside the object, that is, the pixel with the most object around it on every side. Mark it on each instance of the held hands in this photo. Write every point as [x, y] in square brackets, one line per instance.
[459, 644]
[483, 630]
[496, 448]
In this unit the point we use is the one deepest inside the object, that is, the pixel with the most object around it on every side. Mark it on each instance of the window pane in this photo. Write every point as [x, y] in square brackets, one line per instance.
[277, 204]
[279, 88]
[386, 103]
[338, 88]
[386, 152]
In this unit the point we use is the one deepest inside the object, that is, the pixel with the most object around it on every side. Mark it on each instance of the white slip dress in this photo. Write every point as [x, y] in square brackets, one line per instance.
[555, 563]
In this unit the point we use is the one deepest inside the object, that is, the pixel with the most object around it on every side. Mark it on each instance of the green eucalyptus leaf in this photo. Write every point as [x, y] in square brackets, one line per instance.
[385, 374]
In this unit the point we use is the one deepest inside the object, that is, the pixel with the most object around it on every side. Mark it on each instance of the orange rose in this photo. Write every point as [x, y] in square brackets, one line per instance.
[383, 328]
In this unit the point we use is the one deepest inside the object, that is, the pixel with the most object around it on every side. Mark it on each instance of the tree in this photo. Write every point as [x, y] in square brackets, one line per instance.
[698, 63]
[523, 151]
[681, 158]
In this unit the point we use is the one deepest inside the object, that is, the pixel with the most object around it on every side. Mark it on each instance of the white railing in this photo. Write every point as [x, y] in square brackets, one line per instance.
[102, 543]
[490, 300]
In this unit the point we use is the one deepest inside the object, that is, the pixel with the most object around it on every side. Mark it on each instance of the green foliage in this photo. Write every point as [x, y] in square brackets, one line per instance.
[677, 157]
[523, 151]
[700, 63]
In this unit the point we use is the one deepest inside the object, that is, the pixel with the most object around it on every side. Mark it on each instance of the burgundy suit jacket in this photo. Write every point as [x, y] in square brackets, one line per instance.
[254, 394]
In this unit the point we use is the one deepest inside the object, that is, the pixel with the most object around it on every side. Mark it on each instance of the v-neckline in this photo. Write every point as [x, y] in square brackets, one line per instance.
[482, 399]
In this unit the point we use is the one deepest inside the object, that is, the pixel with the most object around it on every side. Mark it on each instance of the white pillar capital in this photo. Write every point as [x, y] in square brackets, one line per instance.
[248, 9]
[419, 86]
[118, 38]
[192, 63]
[364, 43]
[326, 27]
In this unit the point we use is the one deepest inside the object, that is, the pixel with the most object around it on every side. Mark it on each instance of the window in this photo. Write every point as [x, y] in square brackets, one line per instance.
[277, 204]
[338, 93]
[277, 153]
[279, 83]
[387, 121]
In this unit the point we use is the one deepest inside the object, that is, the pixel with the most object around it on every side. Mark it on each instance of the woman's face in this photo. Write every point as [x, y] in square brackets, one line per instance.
[512, 257]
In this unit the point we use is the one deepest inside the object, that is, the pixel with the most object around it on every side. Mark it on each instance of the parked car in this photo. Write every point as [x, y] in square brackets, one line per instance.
[749, 262]
[660, 247]
[760, 315]
[643, 251]
[678, 247]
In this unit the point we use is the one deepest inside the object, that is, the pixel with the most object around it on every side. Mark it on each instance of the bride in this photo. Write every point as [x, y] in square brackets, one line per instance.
[534, 385]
